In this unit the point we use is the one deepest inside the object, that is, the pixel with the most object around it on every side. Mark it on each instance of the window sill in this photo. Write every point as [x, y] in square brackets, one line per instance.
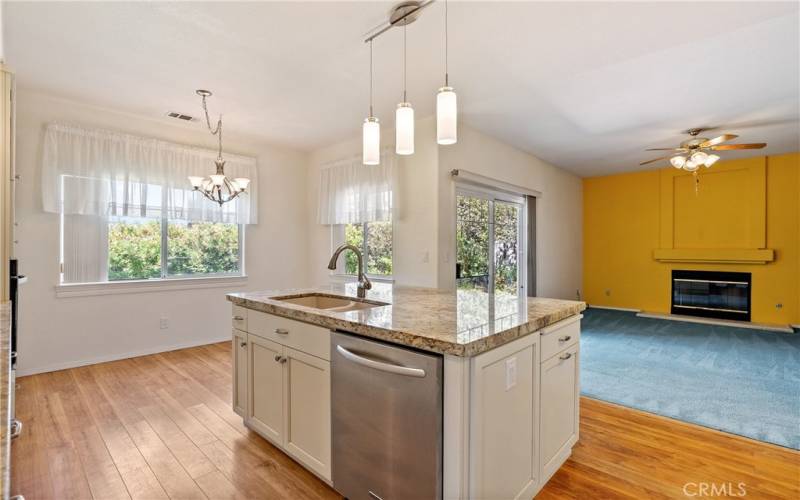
[161, 285]
[353, 277]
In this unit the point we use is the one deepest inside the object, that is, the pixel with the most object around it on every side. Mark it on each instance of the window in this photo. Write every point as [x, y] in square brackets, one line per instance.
[375, 241]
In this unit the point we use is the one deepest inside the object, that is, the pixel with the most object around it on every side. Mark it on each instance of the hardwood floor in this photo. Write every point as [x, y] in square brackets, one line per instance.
[161, 426]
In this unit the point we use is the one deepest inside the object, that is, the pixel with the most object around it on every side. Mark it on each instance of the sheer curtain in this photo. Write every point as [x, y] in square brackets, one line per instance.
[101, 172]
[351, 192]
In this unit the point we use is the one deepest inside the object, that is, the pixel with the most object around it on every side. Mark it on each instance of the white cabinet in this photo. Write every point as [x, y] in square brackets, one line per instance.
[560, 398]
[287, 391]
[308, 405]
[265, 379]
[504, 434]
[239, 352]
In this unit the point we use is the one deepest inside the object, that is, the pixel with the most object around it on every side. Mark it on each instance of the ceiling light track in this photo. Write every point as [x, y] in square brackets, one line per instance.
[400, 15]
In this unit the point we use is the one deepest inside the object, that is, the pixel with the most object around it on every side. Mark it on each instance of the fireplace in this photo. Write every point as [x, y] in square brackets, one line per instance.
[711, 294]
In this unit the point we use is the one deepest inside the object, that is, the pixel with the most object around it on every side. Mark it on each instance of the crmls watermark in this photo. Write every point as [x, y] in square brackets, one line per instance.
[703, 489]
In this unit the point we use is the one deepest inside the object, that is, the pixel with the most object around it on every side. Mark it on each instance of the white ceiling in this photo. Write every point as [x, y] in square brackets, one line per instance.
[585, 86]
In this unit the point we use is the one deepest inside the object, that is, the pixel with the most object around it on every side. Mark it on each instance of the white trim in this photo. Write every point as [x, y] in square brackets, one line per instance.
[614, 308]
[718, 322]
[465, 177]
[116, 357]
[156, 285]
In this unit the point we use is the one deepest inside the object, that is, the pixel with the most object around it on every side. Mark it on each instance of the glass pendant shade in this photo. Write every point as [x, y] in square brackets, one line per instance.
[196, 181]
[691, 165]
[446, 116]
[678, 161]
[371, 141]
[217, 179]
[241, 183]
[710, 160]
[699, 157]
[404, 129]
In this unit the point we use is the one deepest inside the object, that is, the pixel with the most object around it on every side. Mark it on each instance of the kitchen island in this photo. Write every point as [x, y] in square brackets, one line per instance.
[508, 394]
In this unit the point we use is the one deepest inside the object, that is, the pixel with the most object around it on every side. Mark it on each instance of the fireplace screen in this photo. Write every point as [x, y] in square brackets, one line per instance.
[711, 294]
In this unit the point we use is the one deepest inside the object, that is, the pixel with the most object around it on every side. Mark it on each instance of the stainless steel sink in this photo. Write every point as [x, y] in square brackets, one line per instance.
[330, 302]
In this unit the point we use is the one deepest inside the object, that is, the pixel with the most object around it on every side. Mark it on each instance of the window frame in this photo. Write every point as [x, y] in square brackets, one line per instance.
[338, 238]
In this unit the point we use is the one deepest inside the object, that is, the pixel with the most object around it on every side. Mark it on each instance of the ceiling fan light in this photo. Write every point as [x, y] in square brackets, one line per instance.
[678, 161]
[371, 141]
[699, 157]
[446, 116]
[691, 165]
[404, 129]
[710, 160]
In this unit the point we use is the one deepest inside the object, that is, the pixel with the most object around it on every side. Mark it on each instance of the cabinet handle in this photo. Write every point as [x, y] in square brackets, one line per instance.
[280, 359]
[282, 331]
[564, 338]
[565, 356]
[243, 344]
[284, 359]
[238, 318]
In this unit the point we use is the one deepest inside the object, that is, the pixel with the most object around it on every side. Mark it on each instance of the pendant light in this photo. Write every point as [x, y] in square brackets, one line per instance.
[446, 102]
[404, 116]
[371, 130]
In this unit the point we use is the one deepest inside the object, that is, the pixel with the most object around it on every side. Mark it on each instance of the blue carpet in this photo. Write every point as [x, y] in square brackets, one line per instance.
[741, 381]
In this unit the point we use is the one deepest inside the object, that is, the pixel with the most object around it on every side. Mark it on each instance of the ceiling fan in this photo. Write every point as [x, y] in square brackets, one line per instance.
[697, 151]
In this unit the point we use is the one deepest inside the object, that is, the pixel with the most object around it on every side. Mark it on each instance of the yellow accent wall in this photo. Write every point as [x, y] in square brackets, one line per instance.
[626, 218]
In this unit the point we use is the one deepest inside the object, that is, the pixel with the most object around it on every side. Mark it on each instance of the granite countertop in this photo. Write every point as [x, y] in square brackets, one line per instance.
[5, 427]
[463, 323]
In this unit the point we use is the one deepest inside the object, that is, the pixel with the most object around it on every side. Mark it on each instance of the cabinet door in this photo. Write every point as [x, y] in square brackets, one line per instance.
[559, 408]
[308, 404]
[265, 405]
[239, 353]
[503, 442]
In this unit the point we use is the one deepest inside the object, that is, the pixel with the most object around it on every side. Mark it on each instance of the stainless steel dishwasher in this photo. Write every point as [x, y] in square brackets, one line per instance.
[386, 402]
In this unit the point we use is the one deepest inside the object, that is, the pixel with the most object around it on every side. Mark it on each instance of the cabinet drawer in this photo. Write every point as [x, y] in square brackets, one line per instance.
[239, 318]
[559, 336]
[306, 338]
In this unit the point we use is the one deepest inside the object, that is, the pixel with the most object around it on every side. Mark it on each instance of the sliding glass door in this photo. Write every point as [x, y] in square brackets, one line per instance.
[490, 242]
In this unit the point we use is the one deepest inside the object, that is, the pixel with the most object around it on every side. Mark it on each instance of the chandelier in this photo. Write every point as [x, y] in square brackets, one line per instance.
[217, 187]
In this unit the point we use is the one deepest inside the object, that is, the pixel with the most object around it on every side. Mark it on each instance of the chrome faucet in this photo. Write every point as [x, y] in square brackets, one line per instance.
[364, 283]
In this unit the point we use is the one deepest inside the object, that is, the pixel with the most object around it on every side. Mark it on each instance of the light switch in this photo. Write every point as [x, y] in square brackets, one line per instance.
[511, 373]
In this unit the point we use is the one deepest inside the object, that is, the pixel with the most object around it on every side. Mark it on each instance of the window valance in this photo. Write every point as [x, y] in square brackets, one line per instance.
[351, 192]
[101, 172]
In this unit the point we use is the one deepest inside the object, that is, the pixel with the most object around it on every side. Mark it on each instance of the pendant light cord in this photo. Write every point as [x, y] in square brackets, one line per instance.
[370, 78]
[405, 70]
[446, 75]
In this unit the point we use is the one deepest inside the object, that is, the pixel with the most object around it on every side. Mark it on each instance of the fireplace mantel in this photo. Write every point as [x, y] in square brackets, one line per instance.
[715, 255]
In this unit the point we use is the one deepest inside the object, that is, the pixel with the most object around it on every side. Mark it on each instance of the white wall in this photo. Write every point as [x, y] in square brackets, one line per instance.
[424, 215]
[62, 332]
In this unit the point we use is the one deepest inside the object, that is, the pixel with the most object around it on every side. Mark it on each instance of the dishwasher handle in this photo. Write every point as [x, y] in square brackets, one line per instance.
[377, 365]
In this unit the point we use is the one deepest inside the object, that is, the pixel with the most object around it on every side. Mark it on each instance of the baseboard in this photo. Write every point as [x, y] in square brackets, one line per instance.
[116, 357]
[718, 322]
[626, 309]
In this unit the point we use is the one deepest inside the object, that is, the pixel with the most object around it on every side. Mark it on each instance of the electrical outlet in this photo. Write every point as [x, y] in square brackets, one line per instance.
[511, 373]
[163, 323]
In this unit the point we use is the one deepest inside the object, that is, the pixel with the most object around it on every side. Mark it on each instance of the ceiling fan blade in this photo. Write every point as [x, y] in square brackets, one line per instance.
[717, 140]
[667, 149]
[727, 147]
[655, 160]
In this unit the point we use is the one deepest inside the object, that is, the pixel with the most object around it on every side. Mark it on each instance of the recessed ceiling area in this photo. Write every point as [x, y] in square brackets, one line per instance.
[584, 86]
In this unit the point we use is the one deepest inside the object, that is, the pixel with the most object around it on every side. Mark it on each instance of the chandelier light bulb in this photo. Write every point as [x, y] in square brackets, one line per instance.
[678, 161]
[710, 160]
[371, 141]
[404, 129]
[446, 116]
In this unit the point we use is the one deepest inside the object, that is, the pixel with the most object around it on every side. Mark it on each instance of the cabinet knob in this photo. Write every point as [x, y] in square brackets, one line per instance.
[243, 344]
[278, 358]
[238, 318]
[564, 338]
[284, 359]
[16, 428]
[565, 356]
[282, 331]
